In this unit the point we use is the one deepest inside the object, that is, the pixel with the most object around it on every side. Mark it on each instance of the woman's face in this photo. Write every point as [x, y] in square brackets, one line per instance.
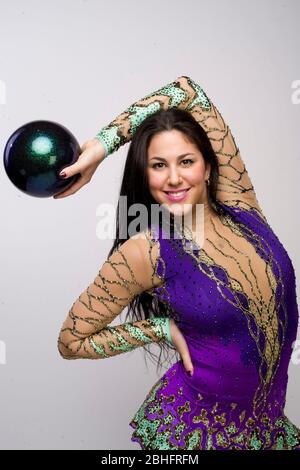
[175, 163]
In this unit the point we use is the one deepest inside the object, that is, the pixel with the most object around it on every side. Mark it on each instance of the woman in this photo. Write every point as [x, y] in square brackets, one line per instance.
[228, 306]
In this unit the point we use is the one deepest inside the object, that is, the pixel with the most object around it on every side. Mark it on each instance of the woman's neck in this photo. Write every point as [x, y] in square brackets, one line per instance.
[197, 224]
[207, 215]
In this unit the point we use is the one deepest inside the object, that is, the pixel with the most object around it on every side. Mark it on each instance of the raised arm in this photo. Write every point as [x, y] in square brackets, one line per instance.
[234, 185]
[125, 274]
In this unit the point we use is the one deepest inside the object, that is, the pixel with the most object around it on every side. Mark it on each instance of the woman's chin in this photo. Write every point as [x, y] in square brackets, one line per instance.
[179, 209]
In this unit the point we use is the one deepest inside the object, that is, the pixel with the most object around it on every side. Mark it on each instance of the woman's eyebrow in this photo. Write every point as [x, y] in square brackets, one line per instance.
[179, 156]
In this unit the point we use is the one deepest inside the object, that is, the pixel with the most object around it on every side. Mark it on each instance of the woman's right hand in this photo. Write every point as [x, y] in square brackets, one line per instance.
[181, 346]
[92, 155]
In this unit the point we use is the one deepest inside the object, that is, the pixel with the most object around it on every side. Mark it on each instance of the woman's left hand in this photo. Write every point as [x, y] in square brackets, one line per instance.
[182, 347]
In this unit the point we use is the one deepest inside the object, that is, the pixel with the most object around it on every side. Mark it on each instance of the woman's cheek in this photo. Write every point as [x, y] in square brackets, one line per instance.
[197, 174]
[155, 182]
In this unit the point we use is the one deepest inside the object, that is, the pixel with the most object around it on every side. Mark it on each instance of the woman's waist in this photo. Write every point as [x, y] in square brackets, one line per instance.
[203, 391]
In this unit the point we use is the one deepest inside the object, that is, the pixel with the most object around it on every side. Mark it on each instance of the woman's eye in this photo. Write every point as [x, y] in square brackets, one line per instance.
[155, 165]
[186, 160]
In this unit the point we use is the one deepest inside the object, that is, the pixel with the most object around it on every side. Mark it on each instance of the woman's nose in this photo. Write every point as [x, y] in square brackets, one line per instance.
[174, 176]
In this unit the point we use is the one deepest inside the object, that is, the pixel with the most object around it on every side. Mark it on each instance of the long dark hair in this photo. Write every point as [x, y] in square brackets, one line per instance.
[136, 189]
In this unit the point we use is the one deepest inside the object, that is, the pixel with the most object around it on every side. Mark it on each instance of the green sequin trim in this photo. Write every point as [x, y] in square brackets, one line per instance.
[111, 135]
[158, 432]
[158, 325]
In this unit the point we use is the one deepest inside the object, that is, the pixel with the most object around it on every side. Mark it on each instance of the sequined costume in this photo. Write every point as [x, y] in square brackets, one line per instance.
[233, 298]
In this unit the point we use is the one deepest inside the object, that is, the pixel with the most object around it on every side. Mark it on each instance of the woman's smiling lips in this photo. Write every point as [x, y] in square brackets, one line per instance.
[178, 195]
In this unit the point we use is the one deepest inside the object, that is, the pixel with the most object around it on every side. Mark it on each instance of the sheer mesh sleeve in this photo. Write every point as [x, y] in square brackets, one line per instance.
[234, 185]
[85, 333]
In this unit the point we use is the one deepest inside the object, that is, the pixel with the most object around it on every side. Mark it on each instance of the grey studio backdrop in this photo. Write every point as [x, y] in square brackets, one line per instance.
[81, 63]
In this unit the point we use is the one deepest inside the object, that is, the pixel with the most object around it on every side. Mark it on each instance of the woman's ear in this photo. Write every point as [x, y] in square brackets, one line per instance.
[207, 170]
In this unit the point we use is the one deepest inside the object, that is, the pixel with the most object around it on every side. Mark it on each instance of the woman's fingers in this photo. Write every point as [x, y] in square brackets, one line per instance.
[85, 160]
[72, 189]
[185, 356]
[92, 155]
[84, 167]
[72, 170]
[182, 347]
[187, 361]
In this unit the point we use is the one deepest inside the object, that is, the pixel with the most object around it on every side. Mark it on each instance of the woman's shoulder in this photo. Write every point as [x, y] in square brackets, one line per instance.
[161, 250]
[146, 238]
[148, 244]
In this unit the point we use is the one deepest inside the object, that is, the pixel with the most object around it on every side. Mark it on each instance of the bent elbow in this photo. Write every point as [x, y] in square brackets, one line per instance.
[64, 352]
[186, 77]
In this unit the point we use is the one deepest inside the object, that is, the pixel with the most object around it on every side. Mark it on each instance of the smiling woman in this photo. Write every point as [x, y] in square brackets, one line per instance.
[176, 178]
[228, 307]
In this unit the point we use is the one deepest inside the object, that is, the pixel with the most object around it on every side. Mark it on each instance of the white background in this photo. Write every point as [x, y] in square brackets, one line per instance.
[81, 63]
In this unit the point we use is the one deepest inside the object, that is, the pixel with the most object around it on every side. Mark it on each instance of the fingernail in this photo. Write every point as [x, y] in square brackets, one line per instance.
[62, 173]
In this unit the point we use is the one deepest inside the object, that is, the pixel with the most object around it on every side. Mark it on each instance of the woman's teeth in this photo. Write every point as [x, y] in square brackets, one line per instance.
[179, 193]
[176, 195]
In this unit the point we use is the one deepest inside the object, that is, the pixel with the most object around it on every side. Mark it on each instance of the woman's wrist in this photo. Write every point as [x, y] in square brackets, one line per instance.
[100, 148]
[168, 330]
